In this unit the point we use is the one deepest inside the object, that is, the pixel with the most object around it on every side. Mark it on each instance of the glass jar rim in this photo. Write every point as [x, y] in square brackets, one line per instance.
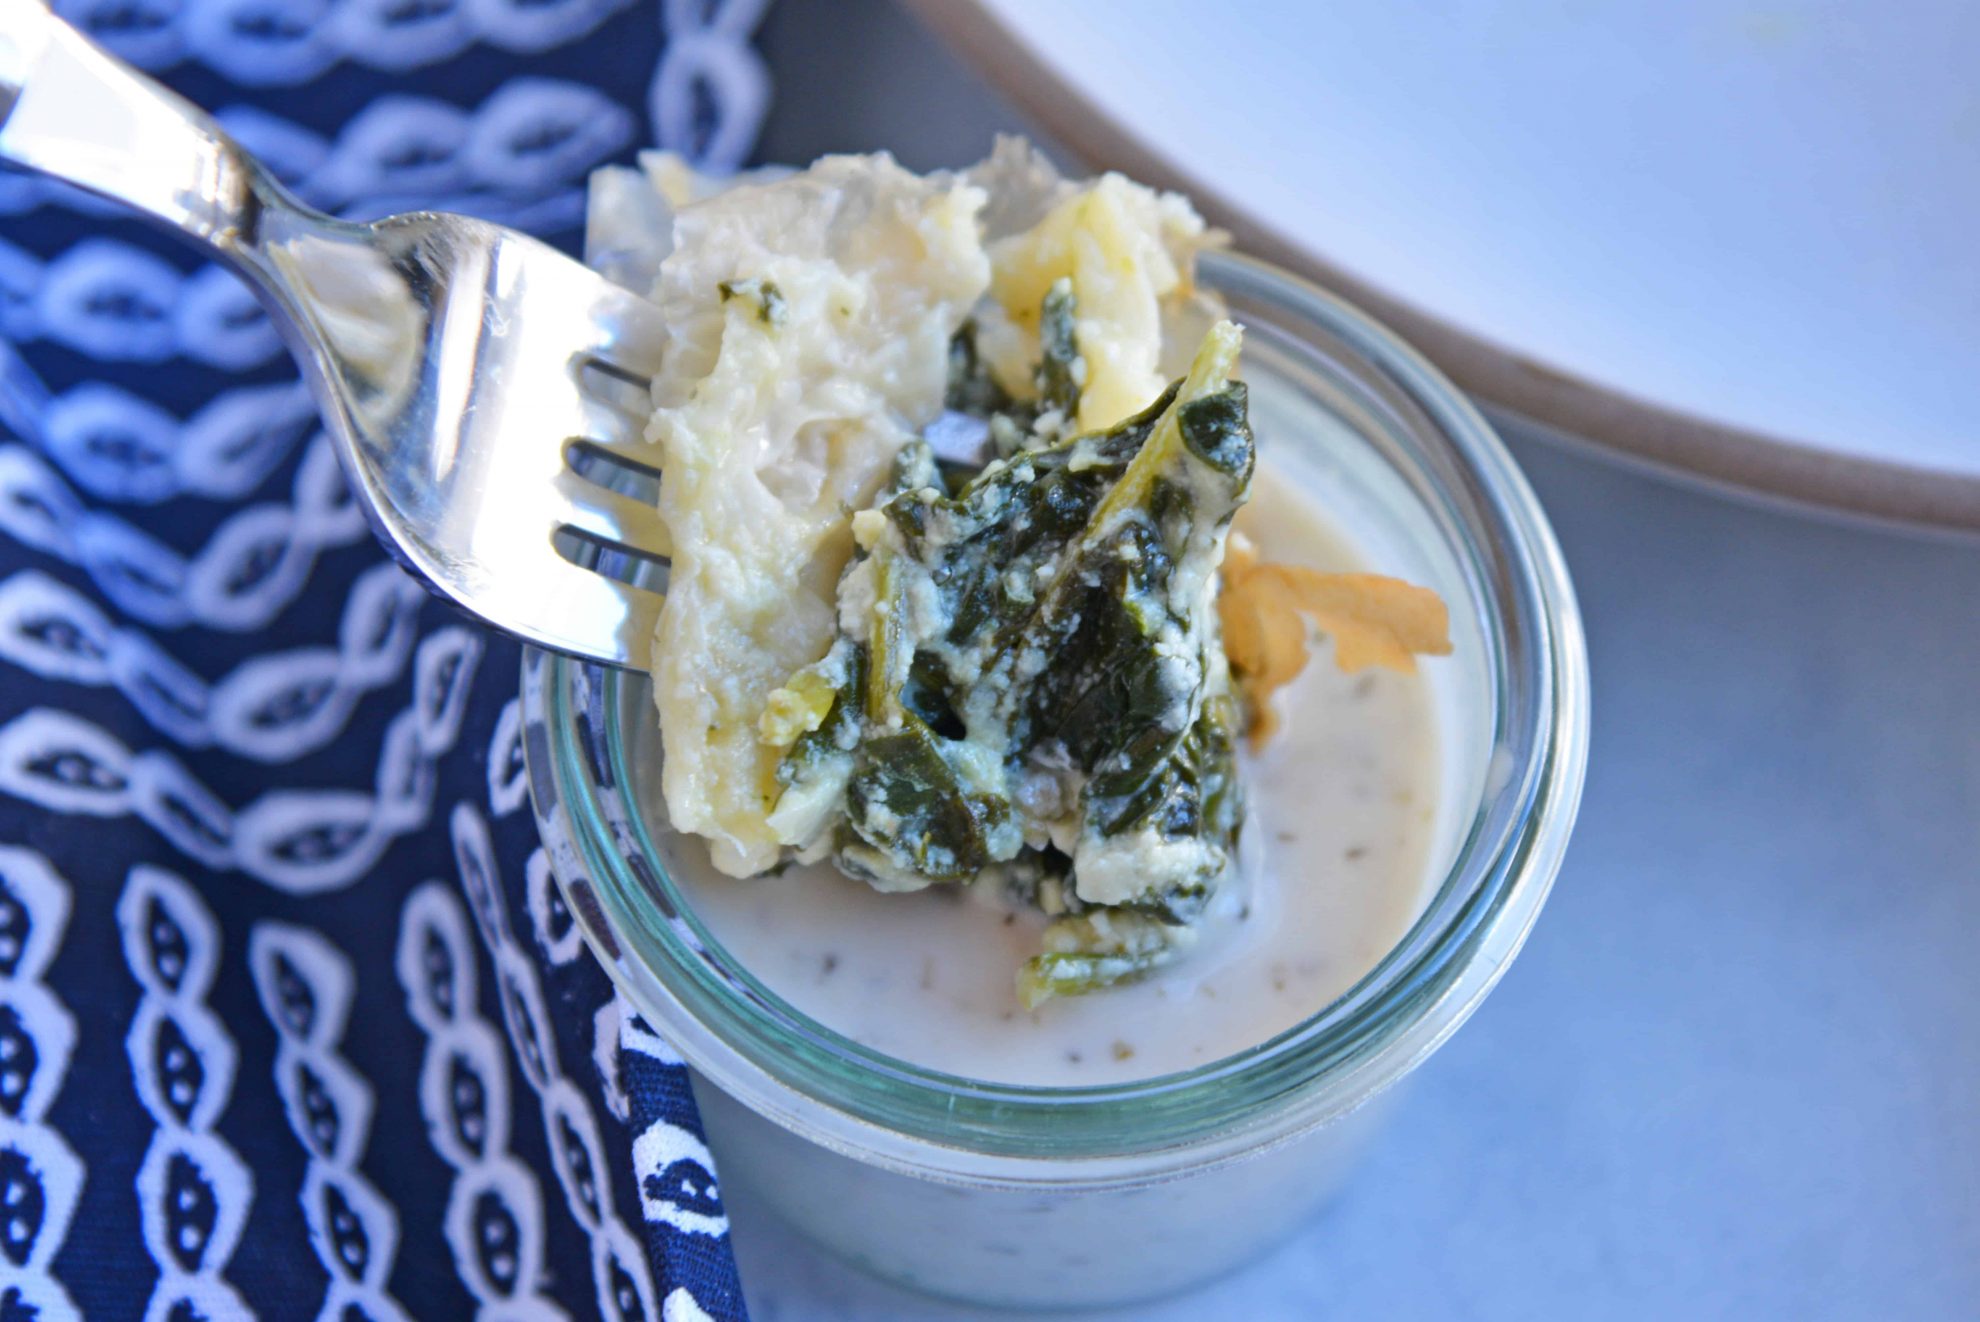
[813, 1080]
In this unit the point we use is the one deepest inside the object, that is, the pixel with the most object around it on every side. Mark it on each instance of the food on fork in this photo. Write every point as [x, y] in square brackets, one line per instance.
[951, 464]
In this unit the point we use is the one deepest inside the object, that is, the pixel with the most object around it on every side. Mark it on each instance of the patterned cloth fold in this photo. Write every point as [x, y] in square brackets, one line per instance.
[292, 1019]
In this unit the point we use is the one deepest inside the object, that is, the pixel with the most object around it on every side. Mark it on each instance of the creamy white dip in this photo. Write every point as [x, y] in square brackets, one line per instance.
[1333, 869]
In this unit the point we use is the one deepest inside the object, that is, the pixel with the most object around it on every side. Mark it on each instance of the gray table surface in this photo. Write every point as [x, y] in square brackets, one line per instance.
[1735, 1072]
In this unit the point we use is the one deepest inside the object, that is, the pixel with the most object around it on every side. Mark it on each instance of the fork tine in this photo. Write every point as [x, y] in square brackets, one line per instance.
[641, 454]
[610, 517]
[629, 333]
[619, 434]
[600, 380]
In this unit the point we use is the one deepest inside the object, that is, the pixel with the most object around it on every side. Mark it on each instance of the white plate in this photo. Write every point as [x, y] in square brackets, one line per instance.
[1740, 240]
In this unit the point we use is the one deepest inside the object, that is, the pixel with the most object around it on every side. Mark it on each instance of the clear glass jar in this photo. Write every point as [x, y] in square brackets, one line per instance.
[1031, 1196]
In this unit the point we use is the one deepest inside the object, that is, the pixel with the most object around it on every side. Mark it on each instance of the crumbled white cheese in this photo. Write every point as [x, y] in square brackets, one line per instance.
[1117, 869]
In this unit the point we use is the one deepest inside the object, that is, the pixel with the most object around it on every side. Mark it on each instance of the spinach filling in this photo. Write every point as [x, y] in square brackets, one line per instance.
[1028, 690]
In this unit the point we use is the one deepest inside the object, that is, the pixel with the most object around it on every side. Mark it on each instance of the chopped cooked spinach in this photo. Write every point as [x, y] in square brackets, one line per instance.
[1029, 688]
[1060, 368]
[1017, 424]
[1098, 950]
[764, 295]
[972, 389]
[907, 809]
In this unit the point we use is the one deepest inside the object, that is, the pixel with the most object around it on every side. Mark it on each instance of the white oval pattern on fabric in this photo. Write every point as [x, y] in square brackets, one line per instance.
[556, 930]
[681, 1307]
[508, 773]
[676, 1175]
[305, 985]
[494, 1218]
[118, 446]
[677, 1180]
[272, 708]
[193, 1190]
[41, 1177]
[519, 155]
[300, 841]
[711, 90]
[275, 42]
[620, 1269]
[605, 1054]
[636, 1036]
[247, 573]
[521, 158]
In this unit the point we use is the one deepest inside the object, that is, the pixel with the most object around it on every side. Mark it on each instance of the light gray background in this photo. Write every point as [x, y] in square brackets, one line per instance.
[1735, 1072]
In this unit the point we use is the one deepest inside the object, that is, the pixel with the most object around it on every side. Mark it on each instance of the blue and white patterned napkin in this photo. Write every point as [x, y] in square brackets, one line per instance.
[292, 1022]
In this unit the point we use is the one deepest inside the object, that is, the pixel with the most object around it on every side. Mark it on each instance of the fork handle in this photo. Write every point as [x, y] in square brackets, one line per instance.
[70, 110]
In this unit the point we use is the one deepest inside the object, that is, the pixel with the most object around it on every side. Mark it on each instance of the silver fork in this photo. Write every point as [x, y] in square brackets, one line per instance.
[485, 392]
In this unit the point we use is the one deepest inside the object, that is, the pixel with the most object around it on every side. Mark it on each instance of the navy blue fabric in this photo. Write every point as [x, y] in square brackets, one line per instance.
[292, 1020]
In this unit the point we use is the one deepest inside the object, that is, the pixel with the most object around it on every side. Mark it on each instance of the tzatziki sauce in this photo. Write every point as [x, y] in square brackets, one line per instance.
[1333, 868]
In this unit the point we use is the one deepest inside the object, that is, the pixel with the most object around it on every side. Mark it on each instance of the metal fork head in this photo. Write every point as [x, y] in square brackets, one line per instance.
[456, 362]
[489, 395]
